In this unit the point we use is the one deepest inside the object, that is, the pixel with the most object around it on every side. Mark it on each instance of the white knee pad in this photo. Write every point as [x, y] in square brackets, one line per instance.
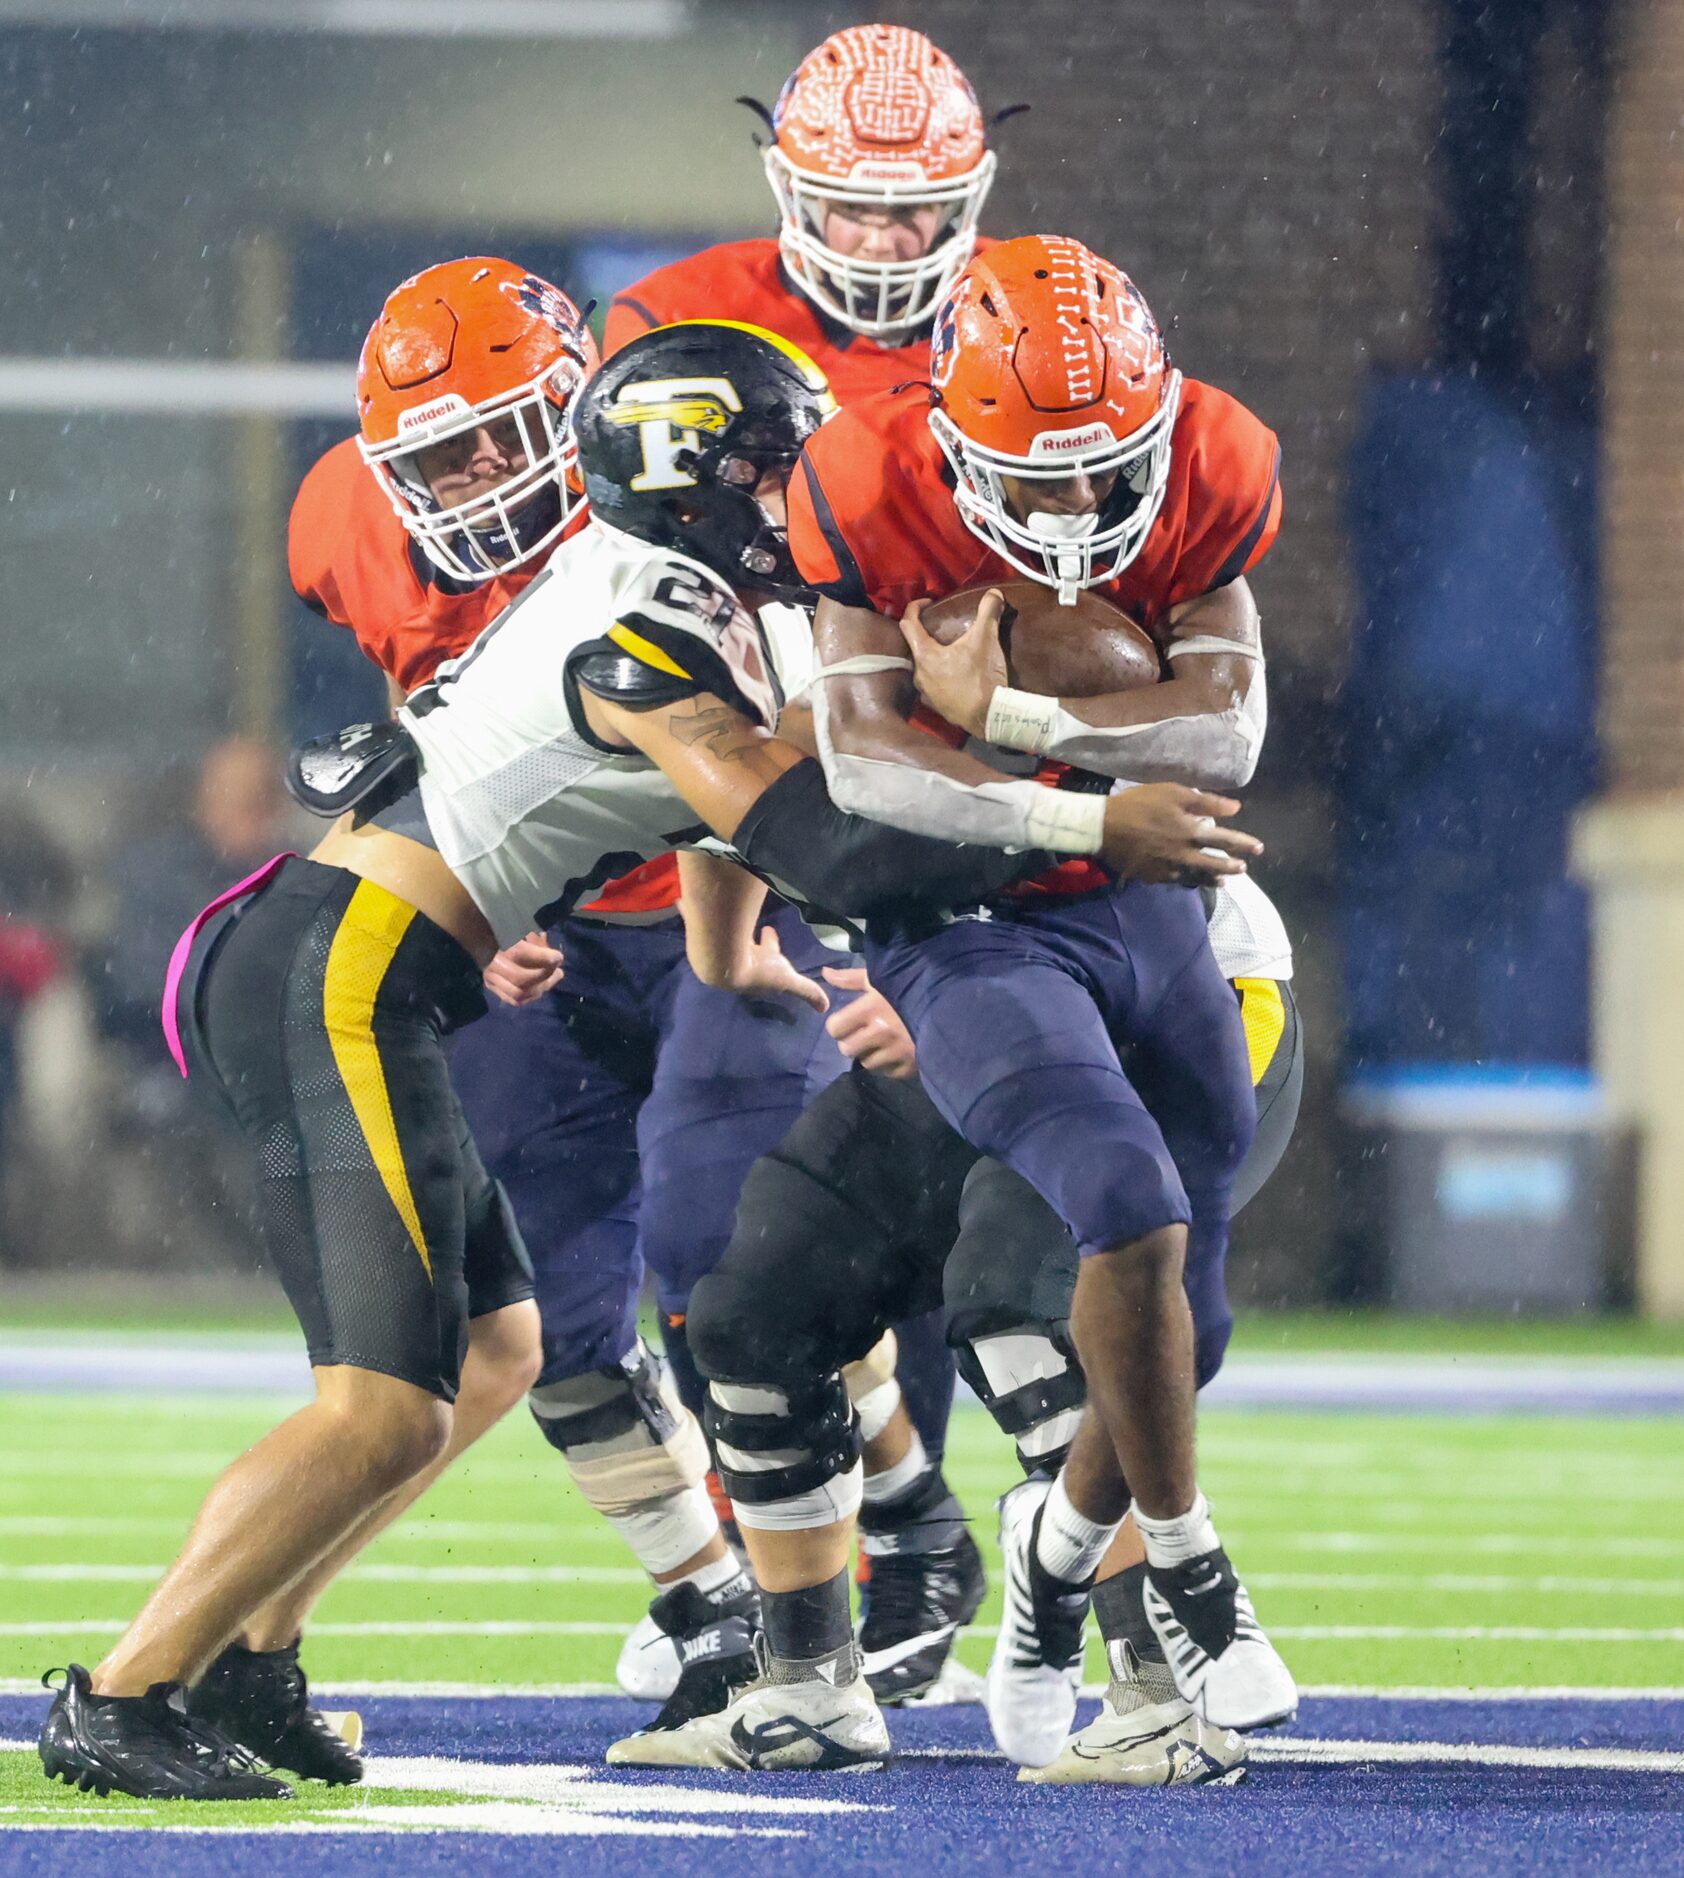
[788, 1464]
[628, 1441]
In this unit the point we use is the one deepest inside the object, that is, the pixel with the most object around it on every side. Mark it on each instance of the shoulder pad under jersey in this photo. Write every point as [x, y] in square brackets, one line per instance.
[687, 631]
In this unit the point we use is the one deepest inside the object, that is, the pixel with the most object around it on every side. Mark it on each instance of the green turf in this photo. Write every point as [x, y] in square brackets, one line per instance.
[250, 1307]
[1378, 1523]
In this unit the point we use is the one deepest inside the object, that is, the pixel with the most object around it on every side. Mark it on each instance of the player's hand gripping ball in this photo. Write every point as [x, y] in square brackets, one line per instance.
[1017, 634]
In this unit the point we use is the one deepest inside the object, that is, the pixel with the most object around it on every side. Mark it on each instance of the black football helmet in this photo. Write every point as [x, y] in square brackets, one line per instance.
[675, 432]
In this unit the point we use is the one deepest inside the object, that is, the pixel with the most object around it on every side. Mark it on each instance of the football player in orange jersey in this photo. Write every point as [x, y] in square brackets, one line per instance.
[879, 163]
[1056, 441]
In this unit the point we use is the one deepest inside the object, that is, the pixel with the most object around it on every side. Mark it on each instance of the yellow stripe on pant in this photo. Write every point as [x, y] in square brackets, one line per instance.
[370, 931]
[1263, 1012]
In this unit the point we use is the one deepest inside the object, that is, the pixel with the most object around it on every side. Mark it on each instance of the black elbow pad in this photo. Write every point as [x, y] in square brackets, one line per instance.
[856, 868]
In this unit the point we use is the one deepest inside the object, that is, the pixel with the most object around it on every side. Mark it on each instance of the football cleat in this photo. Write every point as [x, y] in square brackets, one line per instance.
[648, 1668]
[775, 1727]
[1035, 1674]
[261, 1699]
[1145, 1735]
[715, 1644]
[1222, 1662]
[958, 1686]
[919, 1601]
[143, 1745]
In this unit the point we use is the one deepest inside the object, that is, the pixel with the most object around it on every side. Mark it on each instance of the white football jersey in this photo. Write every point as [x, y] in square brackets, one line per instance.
[529, 811]
[1247, 935]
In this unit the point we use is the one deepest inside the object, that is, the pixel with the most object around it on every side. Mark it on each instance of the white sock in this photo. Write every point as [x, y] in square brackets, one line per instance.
[1174, 1541]
[896, 1480]
[716, 1576]
[1070, 1545]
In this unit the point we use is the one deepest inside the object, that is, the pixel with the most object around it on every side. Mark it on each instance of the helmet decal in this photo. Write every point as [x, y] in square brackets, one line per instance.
[670, 414]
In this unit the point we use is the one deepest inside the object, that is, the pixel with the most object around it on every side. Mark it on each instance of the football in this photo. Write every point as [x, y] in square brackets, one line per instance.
[1080, 651]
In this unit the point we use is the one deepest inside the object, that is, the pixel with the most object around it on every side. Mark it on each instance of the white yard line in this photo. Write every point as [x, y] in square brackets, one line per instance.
[368, 1574]
[1351, 1582]
[575, 1691]
[1332, 1752]
[1316, 1633]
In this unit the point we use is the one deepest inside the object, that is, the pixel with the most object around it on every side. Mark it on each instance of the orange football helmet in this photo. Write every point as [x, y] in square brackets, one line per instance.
[459, 347]
[877, 117]
[1046, 365]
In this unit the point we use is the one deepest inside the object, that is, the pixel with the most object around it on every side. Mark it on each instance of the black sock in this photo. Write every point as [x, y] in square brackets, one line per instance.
[808, 1625]
[1119, 1605]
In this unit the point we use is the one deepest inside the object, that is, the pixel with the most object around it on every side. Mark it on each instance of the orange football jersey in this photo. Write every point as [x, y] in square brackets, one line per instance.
[351, 561]
[745, 280]
[872, 520]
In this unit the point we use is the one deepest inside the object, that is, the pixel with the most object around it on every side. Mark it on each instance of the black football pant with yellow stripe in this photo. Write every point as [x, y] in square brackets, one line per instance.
[316, 1010]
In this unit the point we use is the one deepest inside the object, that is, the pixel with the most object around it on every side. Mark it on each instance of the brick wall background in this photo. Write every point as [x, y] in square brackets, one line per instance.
[1643, 410]
[1264, 170]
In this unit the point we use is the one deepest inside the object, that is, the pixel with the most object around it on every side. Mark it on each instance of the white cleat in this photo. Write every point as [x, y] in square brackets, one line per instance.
[1145, 1735]
[773, 1728]
[1035, 1674]
[957, 1686]
[1222, 1662]
[648, 1668]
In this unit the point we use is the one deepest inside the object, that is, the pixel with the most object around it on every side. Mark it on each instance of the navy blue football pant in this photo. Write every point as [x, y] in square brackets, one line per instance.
[622, 1113]
[1094, 1046]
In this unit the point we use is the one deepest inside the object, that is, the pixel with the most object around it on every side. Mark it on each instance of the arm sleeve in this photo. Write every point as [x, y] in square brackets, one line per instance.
[859, 868]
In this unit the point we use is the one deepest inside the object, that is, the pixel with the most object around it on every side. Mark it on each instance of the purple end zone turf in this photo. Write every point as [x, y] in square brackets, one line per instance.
[949, 1805]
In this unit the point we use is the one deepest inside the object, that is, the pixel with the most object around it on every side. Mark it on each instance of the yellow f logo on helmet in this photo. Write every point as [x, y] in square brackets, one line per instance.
[670, 414]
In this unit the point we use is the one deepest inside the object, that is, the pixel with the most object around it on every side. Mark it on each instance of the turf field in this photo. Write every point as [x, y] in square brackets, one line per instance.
[1517, 1580]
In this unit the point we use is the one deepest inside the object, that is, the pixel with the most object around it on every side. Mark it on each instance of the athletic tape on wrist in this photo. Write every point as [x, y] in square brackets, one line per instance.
[1019, 720]
[1063, 822]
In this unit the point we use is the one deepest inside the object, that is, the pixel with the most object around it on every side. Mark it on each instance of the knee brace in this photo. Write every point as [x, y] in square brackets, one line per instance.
[1026, 1375]
[625, 1436]
[789, 1459]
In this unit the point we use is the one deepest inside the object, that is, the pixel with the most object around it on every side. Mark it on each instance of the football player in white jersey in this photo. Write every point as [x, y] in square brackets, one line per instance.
[629, 704]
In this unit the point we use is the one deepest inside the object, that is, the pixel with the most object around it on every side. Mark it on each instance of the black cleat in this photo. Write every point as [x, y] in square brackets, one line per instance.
[715, 1645]
[143, 1745]
[261, 1699]
[919, 1603]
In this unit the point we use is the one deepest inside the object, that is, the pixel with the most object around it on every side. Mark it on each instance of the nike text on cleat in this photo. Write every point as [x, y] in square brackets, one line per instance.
[145, 1746]
[919, 1601]
[261, 1699]
[772, 1727]
[1145, 1735]
[1222, 1662]
[1035, 1674]
[715, 1644]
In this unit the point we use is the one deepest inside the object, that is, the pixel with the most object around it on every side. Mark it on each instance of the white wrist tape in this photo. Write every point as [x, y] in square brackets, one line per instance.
[1066, 823]
[1019, 720]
